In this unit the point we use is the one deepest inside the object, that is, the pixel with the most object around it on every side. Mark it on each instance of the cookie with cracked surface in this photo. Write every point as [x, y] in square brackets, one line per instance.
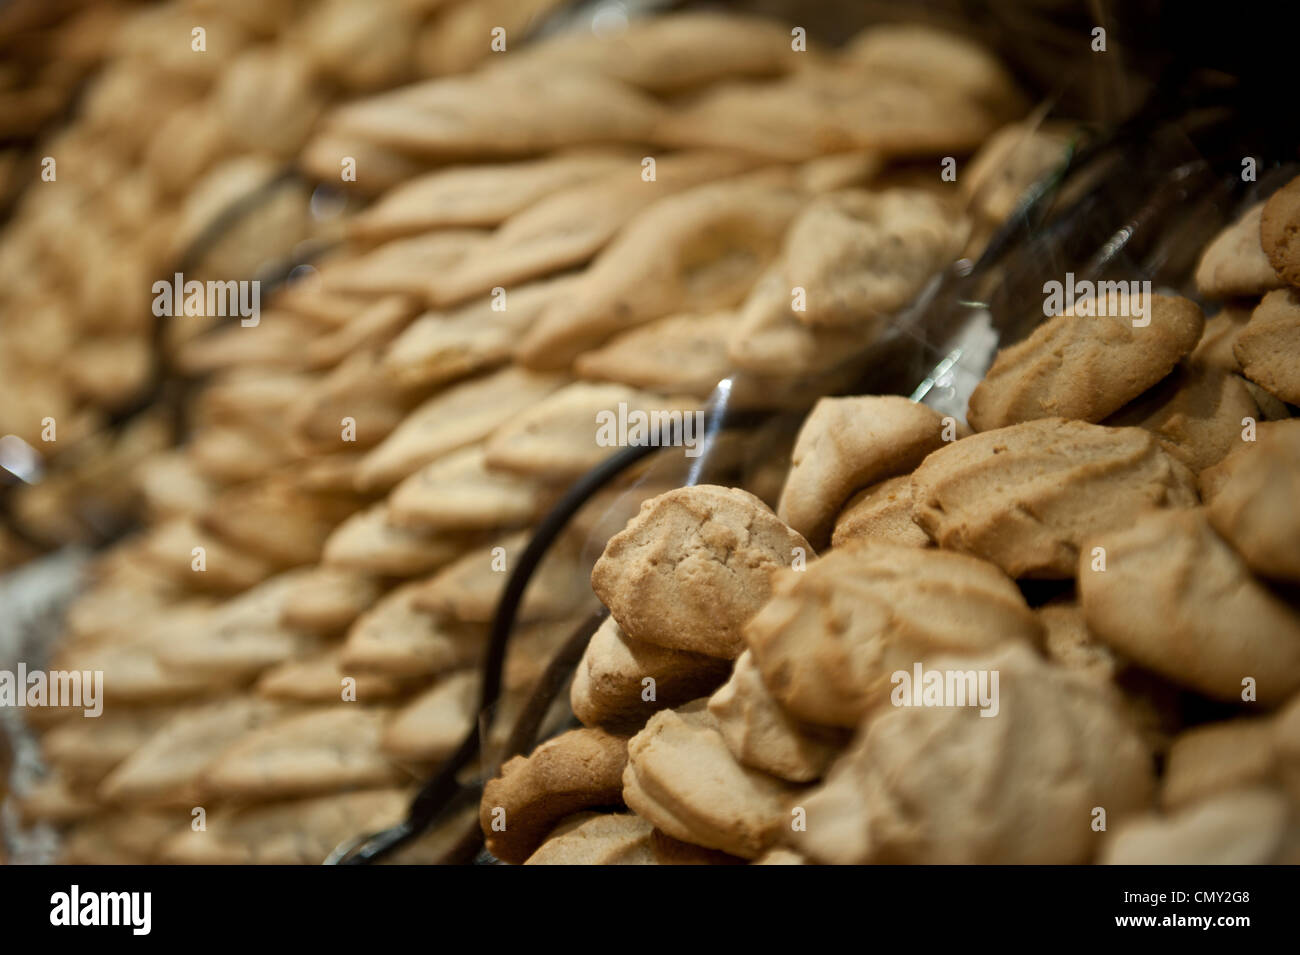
[1268, 348]
[1025, 496]
[693, 566]
[846, 444]
[832, 636]
[1279, 232]
[580, 769]
[1177, 599]
[1085, 367]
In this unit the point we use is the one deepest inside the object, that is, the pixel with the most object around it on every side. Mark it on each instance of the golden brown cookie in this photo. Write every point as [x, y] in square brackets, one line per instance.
[395, 639]
[500, 112]
[580, 769]
[368, 543]
[164, 769]
[572, 430]
[480, 195]
[1216, 757]
[321, 750]
[326, 600]
[1086, 367]
[566, 229]
[242, 637]
[1268, 348]
[1024, 497]
[700, 249]
[674, 52]
[621, 682]
[881, 512]
[461, 415]
[861, 255]
[941, 784]
[470, 588]
[440, 347]
[1247, 826]
[1234, 265]
[1197, 413]
[769, 339]
[1067, 641]
[761, 735]
[322, 678]
[431, 726]
[832, 639]
[1214, 350]
[846, 444]
[682, 354]
[1278, 229]
[1177, 599]
[1010, 162]
[1286, 746]
[690, 569]
[459, 493]
[681, 777]
[1254, 504]
[591, 838]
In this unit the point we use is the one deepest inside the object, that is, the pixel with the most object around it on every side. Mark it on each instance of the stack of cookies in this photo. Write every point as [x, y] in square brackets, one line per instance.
[613, 225]
[197, 106]
[1067, 633]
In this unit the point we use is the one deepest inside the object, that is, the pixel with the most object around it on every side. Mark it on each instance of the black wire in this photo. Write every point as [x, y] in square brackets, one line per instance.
[443, 787]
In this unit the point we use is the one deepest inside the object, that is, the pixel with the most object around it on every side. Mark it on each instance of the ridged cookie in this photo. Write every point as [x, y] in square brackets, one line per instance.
[1269, 346]
[882, 512]
[1024, 497]
[846, 444]
[927, 784]
[691, 568]
[1085, 367]
[832, 636]
[1177, 599]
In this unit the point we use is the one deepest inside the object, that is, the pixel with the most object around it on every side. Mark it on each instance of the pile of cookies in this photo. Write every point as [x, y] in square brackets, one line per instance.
[1069, 635]
[196, 106]
[611, 226]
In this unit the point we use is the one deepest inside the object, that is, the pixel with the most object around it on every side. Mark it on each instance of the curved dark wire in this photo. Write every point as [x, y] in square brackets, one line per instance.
[443, 787]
